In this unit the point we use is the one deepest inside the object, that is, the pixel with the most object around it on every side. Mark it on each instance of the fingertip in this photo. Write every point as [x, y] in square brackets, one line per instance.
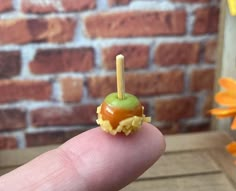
[127, 156]
[157, 135]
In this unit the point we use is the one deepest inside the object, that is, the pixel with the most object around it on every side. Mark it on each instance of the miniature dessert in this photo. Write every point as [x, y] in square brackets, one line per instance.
[121, 112]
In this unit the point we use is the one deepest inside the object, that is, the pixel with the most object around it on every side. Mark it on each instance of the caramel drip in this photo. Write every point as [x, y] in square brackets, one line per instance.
[115, 115]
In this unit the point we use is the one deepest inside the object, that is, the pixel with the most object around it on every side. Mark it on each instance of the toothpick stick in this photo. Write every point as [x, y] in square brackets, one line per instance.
[120, 76]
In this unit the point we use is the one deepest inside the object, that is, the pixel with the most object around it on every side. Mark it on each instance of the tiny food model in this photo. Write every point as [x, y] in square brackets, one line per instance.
[121, 112]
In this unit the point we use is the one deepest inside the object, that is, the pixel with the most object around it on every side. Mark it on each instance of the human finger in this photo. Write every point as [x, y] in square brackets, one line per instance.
[93, 160]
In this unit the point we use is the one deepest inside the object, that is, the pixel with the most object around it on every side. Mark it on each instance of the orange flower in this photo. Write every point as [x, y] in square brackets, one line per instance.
[231, 148]
[226, 98]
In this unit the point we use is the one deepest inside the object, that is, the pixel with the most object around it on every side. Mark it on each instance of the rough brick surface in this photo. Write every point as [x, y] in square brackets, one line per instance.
[29, 6]
[177, 53]
[139, 84]
[62, 60]
[170, 129]
[78, 5]
[136, 56]
[206, 21]
[13, 90]
[207, 105]
[146, 108]
[48, 6]
[5, 5]
[10, 64]
[210, 51]
[131, 24]
[36, 30]
[118, 2]
[204, 126]
[72, 89]
[202, 79]
[49, 138]
[175, 109]
[191, 1]
[7, 142]
[61, 116]
[12, 119]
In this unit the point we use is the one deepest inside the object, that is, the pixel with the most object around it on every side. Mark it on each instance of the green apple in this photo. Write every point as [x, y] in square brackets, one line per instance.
[129, 101]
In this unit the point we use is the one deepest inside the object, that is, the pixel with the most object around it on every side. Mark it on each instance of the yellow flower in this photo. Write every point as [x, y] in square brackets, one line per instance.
[226, 98]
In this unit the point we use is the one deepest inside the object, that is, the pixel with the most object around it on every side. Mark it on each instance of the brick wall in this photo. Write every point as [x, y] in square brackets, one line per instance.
[57, 63]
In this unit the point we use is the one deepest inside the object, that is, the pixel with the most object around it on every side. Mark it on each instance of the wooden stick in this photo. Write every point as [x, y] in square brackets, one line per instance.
[120, 76]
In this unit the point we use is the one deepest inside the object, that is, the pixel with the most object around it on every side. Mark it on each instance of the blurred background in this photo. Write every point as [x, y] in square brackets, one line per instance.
[57, 62]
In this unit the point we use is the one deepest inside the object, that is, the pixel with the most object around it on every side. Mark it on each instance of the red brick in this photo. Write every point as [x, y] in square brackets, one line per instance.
[7, 142]
[136, 23]
[203, 126]
[140, 84]
[48, 6]
[206, 20]
[177, 53]
[78, 5]
[12, 119]
[173, 128]
[136, 56]
[202, 79]
[10, 64]
[191, 1]
[210, 51]
[62, 60]
[146, 107]
[36, 30]
[118, 2]
[207, 105]
[72, 89]
[49, 138]
[14, 90]
[5, 5]
[59, 116]
[175, 109]
[29, 6]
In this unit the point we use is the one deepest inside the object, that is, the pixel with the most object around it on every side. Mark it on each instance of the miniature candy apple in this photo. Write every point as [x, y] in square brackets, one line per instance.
[121, 112]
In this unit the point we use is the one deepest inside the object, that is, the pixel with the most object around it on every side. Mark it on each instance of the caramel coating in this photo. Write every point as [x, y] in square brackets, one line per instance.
[115, 115]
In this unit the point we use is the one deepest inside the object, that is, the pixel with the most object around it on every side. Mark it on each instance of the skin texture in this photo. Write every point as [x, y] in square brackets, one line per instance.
[92, 161]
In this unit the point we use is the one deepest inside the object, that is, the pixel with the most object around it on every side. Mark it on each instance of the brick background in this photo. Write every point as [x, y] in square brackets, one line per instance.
[206, 20]
[14, 90]
[29, 6]
[202, 79]
[137, 56]
[61, 116]
[136, 23]
[154, 84]
[8, 142]
[10, 64]
[62, 60]
[177, 53]
[118, 2]
[72, 89]
[12, 119]
[56, 30]
[5, 5]
[210, 51]
[48, 138]
[175, 109]
[57, 62]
